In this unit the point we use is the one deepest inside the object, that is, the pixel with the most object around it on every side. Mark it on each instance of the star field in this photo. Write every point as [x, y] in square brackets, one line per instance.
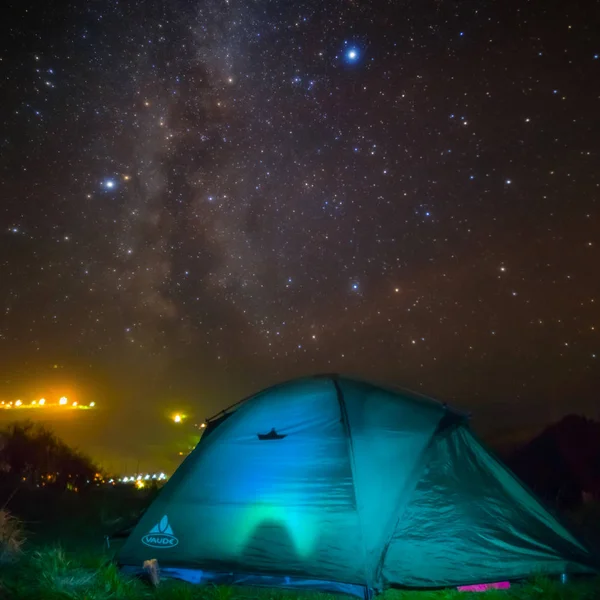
[216, 195]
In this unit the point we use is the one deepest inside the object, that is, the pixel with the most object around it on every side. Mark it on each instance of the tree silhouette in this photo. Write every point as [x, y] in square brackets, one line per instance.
[32, 453]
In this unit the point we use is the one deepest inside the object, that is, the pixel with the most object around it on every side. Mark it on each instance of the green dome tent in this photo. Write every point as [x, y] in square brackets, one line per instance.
[337, 484]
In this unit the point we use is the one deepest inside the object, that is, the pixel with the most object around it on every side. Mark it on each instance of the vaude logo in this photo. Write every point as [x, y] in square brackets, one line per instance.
[161, 535]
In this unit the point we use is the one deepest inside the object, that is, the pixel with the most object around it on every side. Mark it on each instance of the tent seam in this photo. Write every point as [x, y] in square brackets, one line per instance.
[350, 446]
[420, 466]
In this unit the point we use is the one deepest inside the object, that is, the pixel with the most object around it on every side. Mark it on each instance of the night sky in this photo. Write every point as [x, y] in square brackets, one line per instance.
[199, 199]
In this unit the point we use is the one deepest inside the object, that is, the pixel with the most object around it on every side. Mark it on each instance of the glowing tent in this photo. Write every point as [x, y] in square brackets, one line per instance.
[336, 484]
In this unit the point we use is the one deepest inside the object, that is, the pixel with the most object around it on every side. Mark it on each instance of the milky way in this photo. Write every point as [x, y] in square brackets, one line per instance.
[218, 195]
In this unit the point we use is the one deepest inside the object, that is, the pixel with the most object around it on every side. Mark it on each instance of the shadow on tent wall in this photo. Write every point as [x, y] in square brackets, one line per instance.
[270, 541]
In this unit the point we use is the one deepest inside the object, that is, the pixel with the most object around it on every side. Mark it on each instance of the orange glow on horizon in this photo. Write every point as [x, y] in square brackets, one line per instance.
[42, 403]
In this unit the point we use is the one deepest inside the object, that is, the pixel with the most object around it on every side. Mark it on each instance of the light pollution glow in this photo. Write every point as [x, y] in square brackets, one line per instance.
[63, 403]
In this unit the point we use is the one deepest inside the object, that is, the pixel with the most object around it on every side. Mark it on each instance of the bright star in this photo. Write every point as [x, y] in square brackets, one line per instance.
[109, 183]
[352, 54]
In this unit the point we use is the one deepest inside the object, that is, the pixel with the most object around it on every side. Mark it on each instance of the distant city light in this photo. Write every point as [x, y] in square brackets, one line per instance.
[140, 480]
[42, 403]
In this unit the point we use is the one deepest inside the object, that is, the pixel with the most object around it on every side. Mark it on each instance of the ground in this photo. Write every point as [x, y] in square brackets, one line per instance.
[66, 557]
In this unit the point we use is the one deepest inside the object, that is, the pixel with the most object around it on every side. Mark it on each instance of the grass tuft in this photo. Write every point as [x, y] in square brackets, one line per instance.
[115, 585]
[57, 575]
[50, 561]
[222, 592]
[12, 538]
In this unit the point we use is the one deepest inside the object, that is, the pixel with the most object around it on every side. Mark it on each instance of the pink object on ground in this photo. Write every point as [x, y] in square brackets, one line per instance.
[484, 587]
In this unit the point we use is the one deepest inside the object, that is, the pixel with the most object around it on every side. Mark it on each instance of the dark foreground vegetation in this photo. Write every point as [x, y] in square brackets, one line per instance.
[32, 456]
[53, 535]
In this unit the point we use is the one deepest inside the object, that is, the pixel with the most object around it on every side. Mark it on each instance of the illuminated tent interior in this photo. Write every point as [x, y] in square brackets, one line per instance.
[337, 484]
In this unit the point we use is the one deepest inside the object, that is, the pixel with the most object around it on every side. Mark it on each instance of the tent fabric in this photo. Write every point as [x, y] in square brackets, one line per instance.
[331, 479]
[490, 525]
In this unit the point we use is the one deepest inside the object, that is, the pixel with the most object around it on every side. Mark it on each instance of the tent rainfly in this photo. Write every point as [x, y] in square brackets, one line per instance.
[337, 484]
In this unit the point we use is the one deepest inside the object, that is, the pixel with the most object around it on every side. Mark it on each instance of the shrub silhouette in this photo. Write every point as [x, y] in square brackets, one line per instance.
[12, 537]
[32, 454]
